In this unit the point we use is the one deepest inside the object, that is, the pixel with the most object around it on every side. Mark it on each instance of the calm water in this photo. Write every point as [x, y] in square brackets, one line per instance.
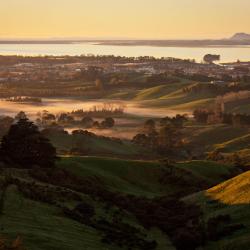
[228, 54]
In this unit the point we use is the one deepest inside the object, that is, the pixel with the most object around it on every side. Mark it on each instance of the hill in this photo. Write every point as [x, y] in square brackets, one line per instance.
[240, 37]
[147, 178]
[236, 144]
[204, 138]
[176, 98]
[231, 199]
[74, 201]
[87, 143]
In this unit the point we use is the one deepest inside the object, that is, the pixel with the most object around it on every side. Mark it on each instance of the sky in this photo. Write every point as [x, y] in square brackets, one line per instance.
[138, 19]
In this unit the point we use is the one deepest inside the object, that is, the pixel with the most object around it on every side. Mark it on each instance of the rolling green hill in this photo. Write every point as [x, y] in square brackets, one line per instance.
[144, 178]
[43, 226]
[88, 144]
[235, 144]
[160, 91]
[204, 138]
[37, 213]
[228, 198]
[34, 209]
[176, 99]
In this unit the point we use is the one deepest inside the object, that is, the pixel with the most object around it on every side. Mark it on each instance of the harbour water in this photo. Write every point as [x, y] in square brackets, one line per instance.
[228, 54]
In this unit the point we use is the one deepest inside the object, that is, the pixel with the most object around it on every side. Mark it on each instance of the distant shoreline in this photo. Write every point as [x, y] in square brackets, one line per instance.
[154, 43]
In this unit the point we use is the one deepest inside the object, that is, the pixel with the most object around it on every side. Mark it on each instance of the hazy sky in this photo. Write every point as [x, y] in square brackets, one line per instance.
[156, 19]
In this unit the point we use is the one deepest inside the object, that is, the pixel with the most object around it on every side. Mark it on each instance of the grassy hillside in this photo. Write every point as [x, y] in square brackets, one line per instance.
[208, 171]
[235, 144]
[146, 178]
[203, 138]
[238, 106]
[173, 97]
[228, 198]
[159, 91]
[169, 95]
[36, 213]
[43, 226]
[97, 146]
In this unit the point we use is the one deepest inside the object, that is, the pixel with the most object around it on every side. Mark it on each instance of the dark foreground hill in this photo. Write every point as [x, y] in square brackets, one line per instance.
[102, 203]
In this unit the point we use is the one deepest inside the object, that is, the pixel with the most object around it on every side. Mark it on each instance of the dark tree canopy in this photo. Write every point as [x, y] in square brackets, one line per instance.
[109, 122]
[25, 146]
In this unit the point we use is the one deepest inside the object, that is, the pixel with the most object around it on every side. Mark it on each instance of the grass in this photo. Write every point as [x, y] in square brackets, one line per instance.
[133, 177]
[236, 144]
[159, 91]
[142, 178]
[210, 171]
[96, 146]
[209, 137]
[44, 227]
[178, 100]
[231, 197]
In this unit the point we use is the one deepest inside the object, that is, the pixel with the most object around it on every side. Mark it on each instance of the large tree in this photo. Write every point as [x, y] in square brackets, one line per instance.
[25, 146]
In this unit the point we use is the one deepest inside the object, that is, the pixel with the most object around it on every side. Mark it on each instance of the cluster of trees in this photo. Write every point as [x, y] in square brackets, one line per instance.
[48, 119]
[23, 99]
[24, 146]
[165, 137]
[236, 119]
[203, 116]
[212, 88]
[91, 59]
[5, 123]
[114, 232]
[104, 110]
[88, 122]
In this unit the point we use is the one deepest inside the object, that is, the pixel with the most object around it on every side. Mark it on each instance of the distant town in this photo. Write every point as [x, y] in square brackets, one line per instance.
[18, 69]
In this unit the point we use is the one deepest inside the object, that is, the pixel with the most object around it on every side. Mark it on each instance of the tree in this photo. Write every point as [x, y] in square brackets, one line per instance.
[47, 117]
[140, 139]
[65, 118]
[25, 146]
[179, 120]
[149, 126]
[5, 123]
[109, 122]
[169, 139]
[87, 122]
[20, 115]
[201, 115]
[96, 124]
